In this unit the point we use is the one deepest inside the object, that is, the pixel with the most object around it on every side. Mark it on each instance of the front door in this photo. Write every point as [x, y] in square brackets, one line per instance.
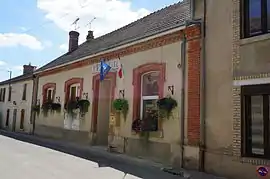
[104, 109]
[14, 119]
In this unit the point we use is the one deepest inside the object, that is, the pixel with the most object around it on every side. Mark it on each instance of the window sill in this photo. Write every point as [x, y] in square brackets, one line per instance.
[254, 161]
[254, 39]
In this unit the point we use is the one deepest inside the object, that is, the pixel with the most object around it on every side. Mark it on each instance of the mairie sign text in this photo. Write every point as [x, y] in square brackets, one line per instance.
[112, 63]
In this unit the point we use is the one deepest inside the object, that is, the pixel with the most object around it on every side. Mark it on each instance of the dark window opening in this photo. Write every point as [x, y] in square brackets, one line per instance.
[50, 95]
[9, 93]
[22, 119]
[255, 112]
[255, 17]
[7, 118]
[24, 92]
[73, 93]
[2, 94]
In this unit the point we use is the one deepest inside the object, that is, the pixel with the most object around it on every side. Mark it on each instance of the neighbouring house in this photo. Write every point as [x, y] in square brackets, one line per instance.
[235, 122]
[160, 58]
[16, 100]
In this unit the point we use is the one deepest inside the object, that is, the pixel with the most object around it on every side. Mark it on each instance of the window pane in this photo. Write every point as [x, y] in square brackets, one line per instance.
[257, 136]
[49, 95]
[150, 86]
[255, 12]
[73, 93]
[150, 115]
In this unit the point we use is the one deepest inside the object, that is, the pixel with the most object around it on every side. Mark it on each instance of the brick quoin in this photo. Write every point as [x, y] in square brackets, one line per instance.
[193, 93]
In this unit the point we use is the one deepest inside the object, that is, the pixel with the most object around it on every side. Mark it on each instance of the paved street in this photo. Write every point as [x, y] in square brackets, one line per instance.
[25, 160]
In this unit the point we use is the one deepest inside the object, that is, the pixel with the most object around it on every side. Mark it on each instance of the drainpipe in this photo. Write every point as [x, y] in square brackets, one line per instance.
[182, 110]
[34, 102]
[202, 96]
[203, 93]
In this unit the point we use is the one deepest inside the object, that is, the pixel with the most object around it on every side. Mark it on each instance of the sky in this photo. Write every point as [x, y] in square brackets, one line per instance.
[36, 31]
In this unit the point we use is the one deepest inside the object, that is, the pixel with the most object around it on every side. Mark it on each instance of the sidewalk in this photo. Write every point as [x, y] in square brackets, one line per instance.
[135, 166]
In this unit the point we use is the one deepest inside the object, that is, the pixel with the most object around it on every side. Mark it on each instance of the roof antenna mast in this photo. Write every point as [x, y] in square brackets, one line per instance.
[90, 23]
[75, 23]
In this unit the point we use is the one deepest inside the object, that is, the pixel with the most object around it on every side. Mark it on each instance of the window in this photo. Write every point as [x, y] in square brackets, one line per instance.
[74, 92]
[2, 94]
[73, 89]
[50, 93]
[24, 92]
[255, 112]
[22, 119]
[7, 118]
[255, 17]
[9, 93]
[148, 87]
[149, 97]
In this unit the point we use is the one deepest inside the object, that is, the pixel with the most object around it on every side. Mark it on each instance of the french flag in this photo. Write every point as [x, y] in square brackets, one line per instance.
[120, 69]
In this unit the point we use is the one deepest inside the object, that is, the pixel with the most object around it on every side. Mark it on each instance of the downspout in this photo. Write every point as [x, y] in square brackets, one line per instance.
[203, 93]
[182, 110]
[34, 102]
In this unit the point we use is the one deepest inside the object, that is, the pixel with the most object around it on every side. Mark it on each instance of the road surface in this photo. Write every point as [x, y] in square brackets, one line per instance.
[27, 161]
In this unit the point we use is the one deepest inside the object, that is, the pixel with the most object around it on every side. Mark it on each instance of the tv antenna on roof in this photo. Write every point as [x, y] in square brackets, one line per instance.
[75, 23]
[90, 23]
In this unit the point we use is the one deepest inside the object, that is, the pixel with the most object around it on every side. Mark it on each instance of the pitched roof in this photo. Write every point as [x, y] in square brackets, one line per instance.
[162, 20]
[17, 79]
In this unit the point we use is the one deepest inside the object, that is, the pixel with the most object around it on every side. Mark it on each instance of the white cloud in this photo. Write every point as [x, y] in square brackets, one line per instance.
[64, 47]
[3, 63]
[13, 40]
[110, 14]
[48, 43]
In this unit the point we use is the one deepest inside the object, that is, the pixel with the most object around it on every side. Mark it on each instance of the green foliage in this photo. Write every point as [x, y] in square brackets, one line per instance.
[50, 106]
[165, 106]
[121, 105]
[70, 106]
[83, 104]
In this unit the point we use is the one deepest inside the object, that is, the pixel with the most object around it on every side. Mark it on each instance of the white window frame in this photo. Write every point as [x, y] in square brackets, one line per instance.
[146, 97]
[47, 95]
[77, 85]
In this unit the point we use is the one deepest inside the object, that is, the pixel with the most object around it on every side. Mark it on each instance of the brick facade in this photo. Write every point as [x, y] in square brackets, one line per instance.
[193, 93]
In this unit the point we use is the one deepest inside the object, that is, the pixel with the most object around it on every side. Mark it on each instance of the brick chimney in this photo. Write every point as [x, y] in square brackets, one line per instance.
[90, 36]
[73, 40]
[27, 69]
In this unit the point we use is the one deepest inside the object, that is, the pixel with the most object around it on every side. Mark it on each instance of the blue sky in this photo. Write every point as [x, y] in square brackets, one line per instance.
[36, 31]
